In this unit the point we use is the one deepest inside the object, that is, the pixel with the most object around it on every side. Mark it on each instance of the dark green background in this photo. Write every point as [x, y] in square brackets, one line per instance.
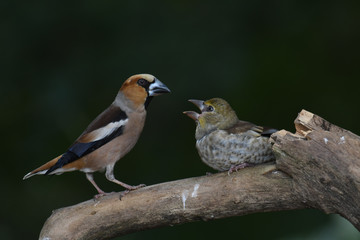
[62, 63]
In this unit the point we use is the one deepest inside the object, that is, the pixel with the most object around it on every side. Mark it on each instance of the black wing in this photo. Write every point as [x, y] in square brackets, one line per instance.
[107, 126]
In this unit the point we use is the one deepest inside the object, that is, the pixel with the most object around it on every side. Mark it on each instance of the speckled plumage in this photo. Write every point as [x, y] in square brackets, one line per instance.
[223, 141]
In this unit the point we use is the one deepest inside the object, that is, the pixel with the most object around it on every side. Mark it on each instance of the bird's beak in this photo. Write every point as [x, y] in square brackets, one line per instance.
[192, 114]
[157, 88]
[198, 103]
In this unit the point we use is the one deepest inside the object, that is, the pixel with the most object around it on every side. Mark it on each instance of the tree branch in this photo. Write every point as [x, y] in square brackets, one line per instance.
[324, 163]
[257, 189]
[316, 167]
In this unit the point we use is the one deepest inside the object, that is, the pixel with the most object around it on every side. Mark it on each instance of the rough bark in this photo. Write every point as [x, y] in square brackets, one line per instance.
[258, 189]
[323, 161]
[317, 167]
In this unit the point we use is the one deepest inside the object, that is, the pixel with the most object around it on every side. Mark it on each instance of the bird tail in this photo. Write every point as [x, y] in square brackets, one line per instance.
[42, 169]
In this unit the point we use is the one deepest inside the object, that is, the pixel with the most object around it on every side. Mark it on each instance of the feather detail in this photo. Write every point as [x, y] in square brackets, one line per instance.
[220, 150]
[107, 126]
[268, 131]
[79, 149]
[102, 132]
[42, 169]
[243, 126]
[110, 115]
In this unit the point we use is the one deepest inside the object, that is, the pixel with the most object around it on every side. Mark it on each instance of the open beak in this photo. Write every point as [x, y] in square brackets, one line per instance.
[198, 103]
[194, 115]
[158, 88]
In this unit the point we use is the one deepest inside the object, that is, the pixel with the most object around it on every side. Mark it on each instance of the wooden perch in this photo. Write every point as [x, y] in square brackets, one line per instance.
[317, 167]
[323, 161]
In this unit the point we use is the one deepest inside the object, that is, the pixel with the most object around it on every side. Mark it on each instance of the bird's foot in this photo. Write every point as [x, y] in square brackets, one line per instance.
[130, 188]
[101, 194]
[123, 193]
[235, 168]
[136, 187]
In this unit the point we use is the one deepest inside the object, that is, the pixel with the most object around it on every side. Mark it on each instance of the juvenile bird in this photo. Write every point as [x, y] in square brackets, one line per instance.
[111, 135]
[226, 143]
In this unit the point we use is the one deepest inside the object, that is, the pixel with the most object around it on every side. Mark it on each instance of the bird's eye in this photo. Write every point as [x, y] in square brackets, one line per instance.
[142, 82]
[210, 109]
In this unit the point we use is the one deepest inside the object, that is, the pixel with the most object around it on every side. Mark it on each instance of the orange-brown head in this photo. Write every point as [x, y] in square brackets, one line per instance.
[139, 90]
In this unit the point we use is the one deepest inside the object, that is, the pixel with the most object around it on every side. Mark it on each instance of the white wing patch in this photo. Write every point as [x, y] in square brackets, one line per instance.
[105, 131]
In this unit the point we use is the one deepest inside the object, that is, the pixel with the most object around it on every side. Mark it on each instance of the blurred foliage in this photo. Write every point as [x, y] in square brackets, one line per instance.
[62, 63]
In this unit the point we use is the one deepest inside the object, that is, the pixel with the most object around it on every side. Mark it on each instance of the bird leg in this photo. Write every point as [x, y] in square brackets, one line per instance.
[110, 176]
[235, 168]
[90, 177]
